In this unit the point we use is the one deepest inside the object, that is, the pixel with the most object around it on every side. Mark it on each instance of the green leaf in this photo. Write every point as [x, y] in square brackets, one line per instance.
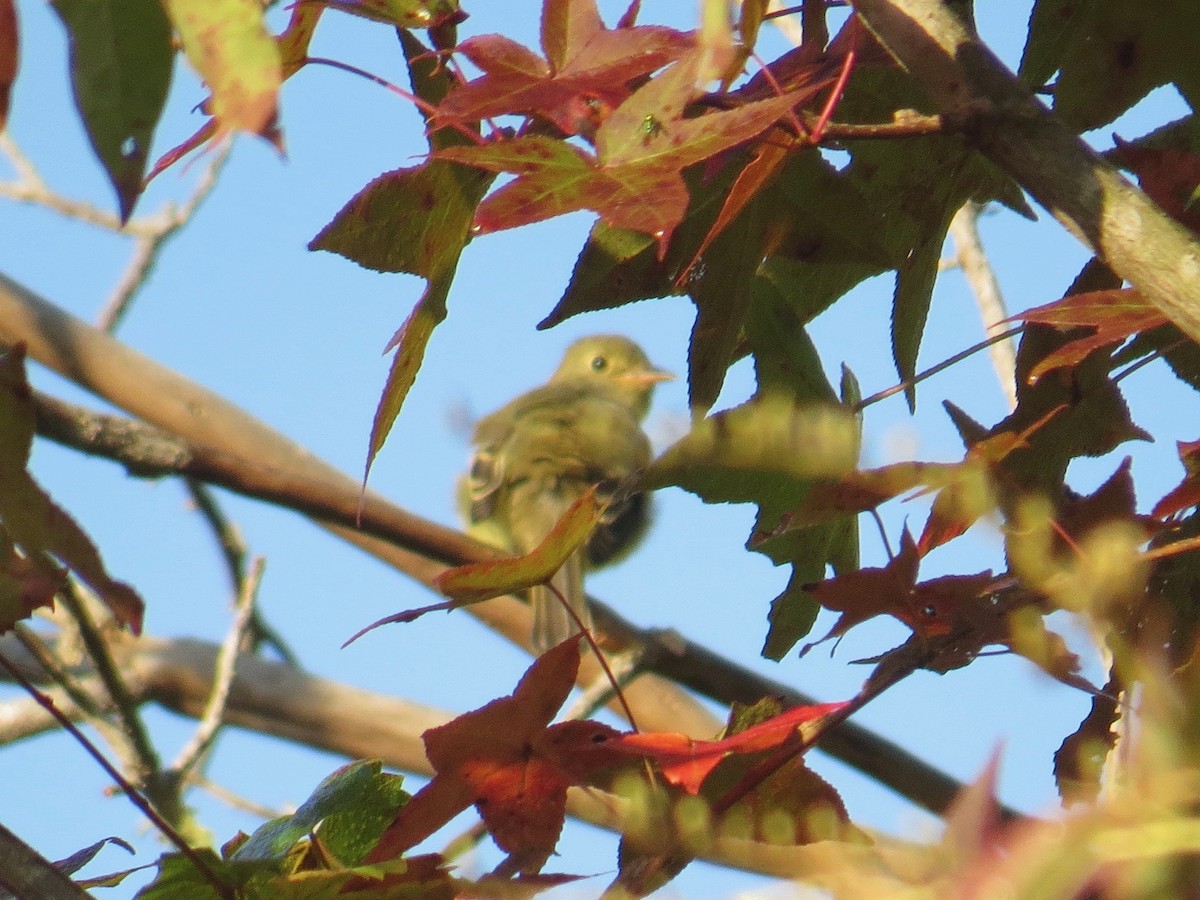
[620, 265]
[178, 877]
[1117, 53]
[414, 220]
[785, 358]
[793, 613]
[349, 811]
[721, 292]
[767, 451]
[120, 73]
[509, 575]
[915, 186]
[1052, 24]
[227, 43]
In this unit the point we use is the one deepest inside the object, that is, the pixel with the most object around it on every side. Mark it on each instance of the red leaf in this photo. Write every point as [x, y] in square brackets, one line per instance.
[930, 608]
[684, 761]
[584, 75]
[587, 747]
[488, 758]
[1114, 315]
[635, 180]
[9, 55]
[1187, 493]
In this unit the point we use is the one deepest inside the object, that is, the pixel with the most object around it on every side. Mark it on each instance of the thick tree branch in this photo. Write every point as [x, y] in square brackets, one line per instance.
[666, 653]
[1001, 118]
[276, 699]
[214, 440]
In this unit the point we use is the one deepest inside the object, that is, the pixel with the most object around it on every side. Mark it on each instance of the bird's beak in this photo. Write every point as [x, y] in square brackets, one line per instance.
[648, 378]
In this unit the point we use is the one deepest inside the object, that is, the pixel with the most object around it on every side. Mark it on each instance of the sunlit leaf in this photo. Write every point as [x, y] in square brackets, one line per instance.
[227, 43]
[494, 578]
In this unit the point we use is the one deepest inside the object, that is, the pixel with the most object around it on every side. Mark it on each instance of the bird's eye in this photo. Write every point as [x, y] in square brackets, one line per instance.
[599, 363]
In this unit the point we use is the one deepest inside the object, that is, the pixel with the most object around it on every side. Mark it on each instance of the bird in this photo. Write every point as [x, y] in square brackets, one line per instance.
[539, 453]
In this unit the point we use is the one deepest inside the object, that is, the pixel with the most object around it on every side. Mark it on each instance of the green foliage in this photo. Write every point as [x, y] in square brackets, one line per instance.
[316, 852]
[120, 72]
[732, 198]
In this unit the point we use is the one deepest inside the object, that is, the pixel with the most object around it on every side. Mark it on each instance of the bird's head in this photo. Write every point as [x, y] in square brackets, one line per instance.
[615, 361]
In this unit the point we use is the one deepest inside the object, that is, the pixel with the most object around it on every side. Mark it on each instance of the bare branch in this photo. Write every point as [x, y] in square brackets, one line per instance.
[150, 233]
[968, 247]
[214, 711]
[273, 698]
[226, 439]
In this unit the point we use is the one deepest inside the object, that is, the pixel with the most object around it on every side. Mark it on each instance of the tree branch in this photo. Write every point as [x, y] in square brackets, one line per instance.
[276, 699]
[216, 440]
[1010, 126]
[968, 248]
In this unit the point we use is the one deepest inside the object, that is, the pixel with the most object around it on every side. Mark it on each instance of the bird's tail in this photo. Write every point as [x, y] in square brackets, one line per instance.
[552, 624]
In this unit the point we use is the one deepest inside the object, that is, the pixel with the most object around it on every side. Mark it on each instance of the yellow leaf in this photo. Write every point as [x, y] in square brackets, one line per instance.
[483, 580]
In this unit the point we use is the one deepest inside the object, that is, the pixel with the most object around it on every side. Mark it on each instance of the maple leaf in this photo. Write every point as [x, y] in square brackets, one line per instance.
[930, 608]
[687, 762]
[1113, 315]
[1113, 501]
[635, 179]
[1080, 760]
[1187, 493]
[29, 519]
[477, 581]
[494, 578]
[583, 76]
[290, 53]
[489, 758]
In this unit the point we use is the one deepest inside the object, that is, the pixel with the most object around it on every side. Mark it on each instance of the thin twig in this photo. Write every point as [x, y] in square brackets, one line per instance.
[964, 231]
[214, 710]
[933, 370]
[47, 660]
[233, 549]
[237, 801]
[151, 235]
[142, 758]
[30, 188]
[135, 796]
[622, 668]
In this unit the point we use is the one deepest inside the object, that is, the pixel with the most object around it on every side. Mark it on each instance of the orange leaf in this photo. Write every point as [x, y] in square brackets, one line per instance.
[488, 758]
[1113, 314]
[494, 578]
[1187, 492]
[686, 762]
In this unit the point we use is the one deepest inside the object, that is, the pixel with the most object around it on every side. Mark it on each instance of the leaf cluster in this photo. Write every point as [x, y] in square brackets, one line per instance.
[730, 198]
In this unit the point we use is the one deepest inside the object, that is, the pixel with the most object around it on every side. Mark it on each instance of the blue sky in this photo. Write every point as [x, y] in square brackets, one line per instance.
[238, 304]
